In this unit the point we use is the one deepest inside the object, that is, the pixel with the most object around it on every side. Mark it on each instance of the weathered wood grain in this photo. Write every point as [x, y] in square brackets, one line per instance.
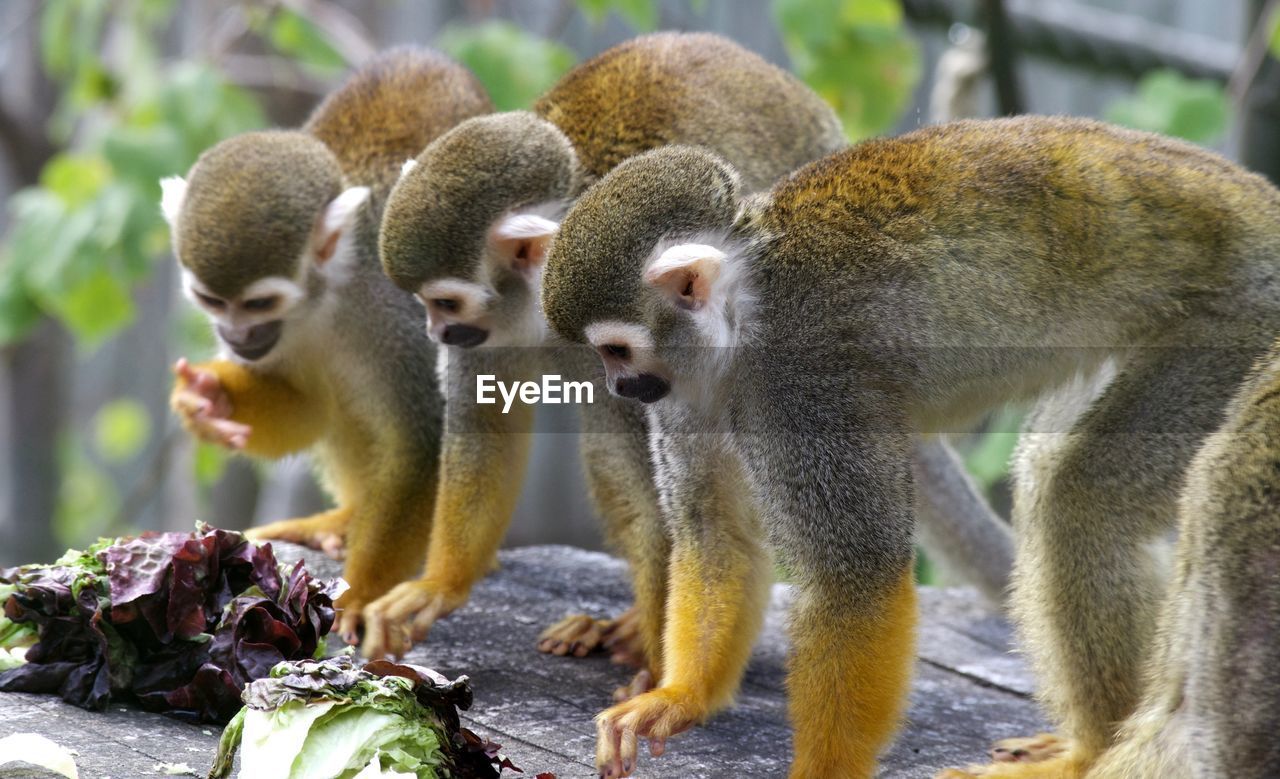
[969, 689]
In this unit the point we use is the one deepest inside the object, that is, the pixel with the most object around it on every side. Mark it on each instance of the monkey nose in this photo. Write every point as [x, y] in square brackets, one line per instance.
[645, 388]
[465, 336]
[254, 343]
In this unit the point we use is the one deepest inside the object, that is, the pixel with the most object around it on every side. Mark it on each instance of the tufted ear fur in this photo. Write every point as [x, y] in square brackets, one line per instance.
[173, 190]
[685, 273]
[337, 220]
[522, 241]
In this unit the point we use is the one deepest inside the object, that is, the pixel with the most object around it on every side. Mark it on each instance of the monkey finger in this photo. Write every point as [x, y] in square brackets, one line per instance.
[191, 404]
[422, 624]
[348, 626]
[657, 746]
[334, 546]
[589, 640]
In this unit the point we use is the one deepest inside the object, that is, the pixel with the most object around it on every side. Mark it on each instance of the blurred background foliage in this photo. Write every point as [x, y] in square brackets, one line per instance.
[140, 87]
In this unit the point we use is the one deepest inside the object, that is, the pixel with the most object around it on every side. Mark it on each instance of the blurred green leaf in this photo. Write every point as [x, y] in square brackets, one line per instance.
[640, 14]
[295, 36]
[513, 65]
[1274, 43]
[75, 178]
[94, 307]
[87, 499]
[210, 462]
[18, 312]
[988, 460]
[1169, 103]
[121, 429]
[856, 54]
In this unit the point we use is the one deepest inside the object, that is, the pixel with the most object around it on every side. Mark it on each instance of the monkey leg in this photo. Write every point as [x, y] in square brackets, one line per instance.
[1211, 705]
[1095, 486]
[848, 676]
[719, 582]
[326, 531]
[615, 454]
[281, 418]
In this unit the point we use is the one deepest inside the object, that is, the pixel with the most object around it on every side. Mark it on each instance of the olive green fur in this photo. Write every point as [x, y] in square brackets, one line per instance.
[688, 88]
[250, 206]
[439, 214]
[917, 282]
[390, 109]
[593, 271]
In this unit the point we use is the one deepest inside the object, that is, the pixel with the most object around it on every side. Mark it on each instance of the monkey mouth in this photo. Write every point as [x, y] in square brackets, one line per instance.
[256, 343]
[464, 336]
[645, 388]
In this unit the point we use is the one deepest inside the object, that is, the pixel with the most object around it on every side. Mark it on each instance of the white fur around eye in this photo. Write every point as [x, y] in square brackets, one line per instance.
[408, 166]
[635, 336]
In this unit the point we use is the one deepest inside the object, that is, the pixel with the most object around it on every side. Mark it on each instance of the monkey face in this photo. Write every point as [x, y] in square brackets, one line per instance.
[632, 370]
[251, 323]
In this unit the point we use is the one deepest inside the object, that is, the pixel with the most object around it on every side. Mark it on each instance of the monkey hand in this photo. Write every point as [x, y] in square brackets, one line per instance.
[579, 635]
[326, 532]
[204, 407]
[404, 616]
[655, 716]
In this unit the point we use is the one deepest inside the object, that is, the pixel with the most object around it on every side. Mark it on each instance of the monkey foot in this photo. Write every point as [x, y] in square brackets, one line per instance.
[1035, 749]
[641, 683]
[1044, 756]
[404, 616]
[579, 635]
[655, 715]
[325, 532]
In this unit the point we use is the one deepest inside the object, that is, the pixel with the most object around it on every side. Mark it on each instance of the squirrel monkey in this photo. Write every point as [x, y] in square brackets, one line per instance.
[1210, 704]
[467, 228]
[800, 337]
[276, 235]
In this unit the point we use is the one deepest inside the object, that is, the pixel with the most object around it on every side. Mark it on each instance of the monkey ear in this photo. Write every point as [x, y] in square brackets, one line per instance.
[173, 190]
[337, 218]
[522, 240]
[408, 165]
[685, 273]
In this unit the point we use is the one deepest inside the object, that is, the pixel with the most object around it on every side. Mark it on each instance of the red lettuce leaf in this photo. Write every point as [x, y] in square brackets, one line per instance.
[179, 622]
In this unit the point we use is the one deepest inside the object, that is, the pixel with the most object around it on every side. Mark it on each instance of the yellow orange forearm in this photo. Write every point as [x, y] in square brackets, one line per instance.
[714, 610]
[283, 420]
[480, 479]
[850, 672]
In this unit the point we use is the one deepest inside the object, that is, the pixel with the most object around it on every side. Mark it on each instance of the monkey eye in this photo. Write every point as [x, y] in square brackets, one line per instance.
[260, 304]
[618, 351]
[209, 300]
[445, 304]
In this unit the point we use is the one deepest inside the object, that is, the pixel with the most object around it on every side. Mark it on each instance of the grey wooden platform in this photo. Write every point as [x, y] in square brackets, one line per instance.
[968, 691]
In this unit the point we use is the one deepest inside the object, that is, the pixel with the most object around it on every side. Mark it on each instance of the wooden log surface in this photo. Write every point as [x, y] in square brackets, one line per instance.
[969, 688]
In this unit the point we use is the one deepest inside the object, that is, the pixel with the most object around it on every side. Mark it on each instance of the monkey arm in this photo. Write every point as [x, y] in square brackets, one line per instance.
[481, 476]
[481, 471]
[281, 418]
[718, 586]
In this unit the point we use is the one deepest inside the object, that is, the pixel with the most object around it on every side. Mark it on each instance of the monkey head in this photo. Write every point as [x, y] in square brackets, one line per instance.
[468, 225]
[262, 227]
[645, 271]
